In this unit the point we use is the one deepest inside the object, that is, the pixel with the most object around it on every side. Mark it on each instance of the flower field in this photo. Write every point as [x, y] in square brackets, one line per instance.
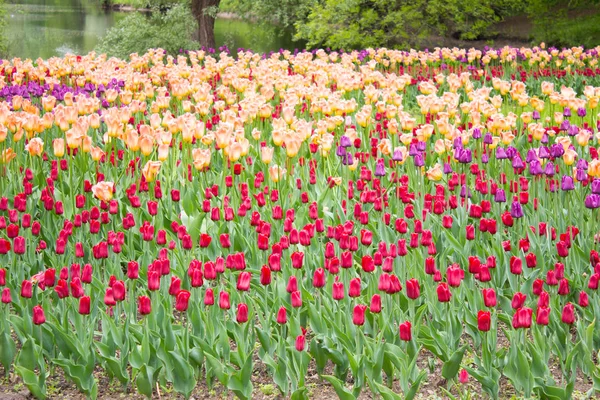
[384, 218]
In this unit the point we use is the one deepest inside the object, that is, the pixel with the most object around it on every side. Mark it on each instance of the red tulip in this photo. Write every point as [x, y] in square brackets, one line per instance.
[84, 305]
[562, 249]
[542, 316]
[413, 289]
[447, 221]
[583, 299]
[282, 315]
[6, 296]
[358, 315]
[144, 305]
[296, 299]
[119, 290]
[225, 242]
[26, 289]
[489, 297]
[243, 283]
[300, 342]
[38, 315]
[568, 314]
[522, 318]
[265, 275]
[338, 290]
[354, 287]
[443, 293]
[484, 321]
[518, 300]
[209, 297]
[455, 275]
[182, 300]
[224, 301]
[563, 287]
[297, 259]
[405, 331]
[242, 313]
[292, 285]
[463, 376]
[319, 278]
[531, 260]
[375, 307]
[368, 265]
[516, 265]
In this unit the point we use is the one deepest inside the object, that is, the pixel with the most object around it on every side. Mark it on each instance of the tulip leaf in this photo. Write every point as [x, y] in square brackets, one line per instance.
[488, 381]
[183, 380]
[338, 386]
[8, 349]
[451, 367]
[145, 381]
[319, 355]
[387, 393]
[33, 381]
[414, 387]
[300, 394]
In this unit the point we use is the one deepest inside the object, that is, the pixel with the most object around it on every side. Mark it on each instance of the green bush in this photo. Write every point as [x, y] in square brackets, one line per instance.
[171, 30]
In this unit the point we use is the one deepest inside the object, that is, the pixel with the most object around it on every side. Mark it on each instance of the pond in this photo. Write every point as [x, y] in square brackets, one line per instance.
[46, 28]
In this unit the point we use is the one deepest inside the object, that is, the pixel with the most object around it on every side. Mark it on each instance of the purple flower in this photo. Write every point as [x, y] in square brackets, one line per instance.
[567, 112]
[465, 191]
[380, 168]
[419, 160]
[517, 162]
[581, 112]
[544, 152]
[488, 139]
[501, 154]
[464, 156]
[500, 196]
[549, 170]
[535, 168]
[592, 201]
[596, 186]
[340, 151]
[476, 133]
[581, 175]
[397, 156]
[447, 168]
[567, 183]
[345, 141]
[516, 211]
[536, 115]
[556, 150]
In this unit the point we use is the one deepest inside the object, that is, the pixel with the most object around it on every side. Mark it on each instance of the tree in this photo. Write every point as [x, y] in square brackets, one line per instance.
[205, 13]
[354, 24]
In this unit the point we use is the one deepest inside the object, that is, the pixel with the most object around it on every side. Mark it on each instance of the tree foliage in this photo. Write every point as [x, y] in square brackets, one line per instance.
[171, 30]
[353, 24]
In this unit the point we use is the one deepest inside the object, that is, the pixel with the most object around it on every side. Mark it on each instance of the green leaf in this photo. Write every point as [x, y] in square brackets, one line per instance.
[414, 387]
[145, 381]
[387, 393]
[183, 378]
[338, 386]
[451, 367]
[34, 383]
[8, 349]
[300, 394]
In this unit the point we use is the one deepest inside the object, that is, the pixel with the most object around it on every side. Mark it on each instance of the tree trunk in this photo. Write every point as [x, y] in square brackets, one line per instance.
[206, 21]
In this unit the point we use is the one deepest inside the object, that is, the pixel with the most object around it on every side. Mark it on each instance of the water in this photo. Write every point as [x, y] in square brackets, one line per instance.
[47, 28]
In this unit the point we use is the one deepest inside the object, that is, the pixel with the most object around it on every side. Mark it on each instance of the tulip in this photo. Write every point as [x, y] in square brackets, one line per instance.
[319, 278]
[209, 297]
[243, 283]
[483, 321]
[292, 285]
[375, 307]
[26, 289]
[405, 331]
[443, 293]
[38, 315]
[413, 289]
[568, 314]
[282, 315]
[354, 287]
[297, 259]
[84, 305]
[242, 313]
[463, 377]
[522, 318]
[489, 297]
[542, 316]
[144, 305]
[223, 300]
[265, 275]
[358, 315]
[300, 342]
[338, 291]
[518, 300]
[6, 296]
[182, 299]
[296, 299]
